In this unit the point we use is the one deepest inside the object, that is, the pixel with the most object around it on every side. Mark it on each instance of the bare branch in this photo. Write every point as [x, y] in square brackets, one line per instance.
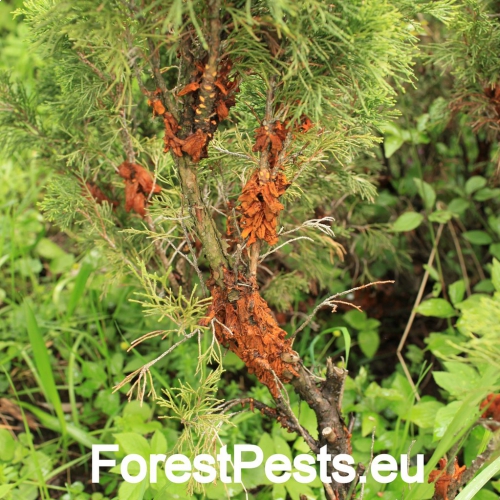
[262, 257]
[330, 302]
[414, 312]
[143, 373]
[319, 224]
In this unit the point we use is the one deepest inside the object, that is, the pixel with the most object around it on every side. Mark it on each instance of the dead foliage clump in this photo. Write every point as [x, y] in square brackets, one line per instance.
[443, 480]
[211, 100]
[260, 206]
[244, 323]
[139, 186]
[93, 191]
[491, 406]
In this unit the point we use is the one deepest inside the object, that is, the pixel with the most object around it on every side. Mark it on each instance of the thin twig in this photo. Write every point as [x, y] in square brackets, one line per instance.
[160, 252]
[223, 326]
[144, 372]
[262, 257]
[363, 483]
[93, 67]
[127, 139]
[328, 302]
[414, 312]
[232, 153]
[314, 224]
[177, 251]
[472, 253]
[460, 257]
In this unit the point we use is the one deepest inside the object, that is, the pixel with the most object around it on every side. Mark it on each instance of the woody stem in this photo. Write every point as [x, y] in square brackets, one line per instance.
[206, 229]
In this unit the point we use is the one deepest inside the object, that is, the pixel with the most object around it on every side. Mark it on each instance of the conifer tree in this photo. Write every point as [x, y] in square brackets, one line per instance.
[470, 53]
[194, 139]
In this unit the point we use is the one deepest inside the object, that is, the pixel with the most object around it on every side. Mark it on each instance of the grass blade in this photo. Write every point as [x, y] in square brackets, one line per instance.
[79, 435]
[479, 481]
[43, 365]
[79, 288]
[347, 340]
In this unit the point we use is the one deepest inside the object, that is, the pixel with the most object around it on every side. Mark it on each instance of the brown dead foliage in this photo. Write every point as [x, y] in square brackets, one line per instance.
[270, 137]
[491, 405]
[493, 94]
[157, 105]
[170, 139]
[227, 89]
[195, 145]
[11, 411]
[260, 206]
[444, 480]
[96, 194]
[172, 142]
[305, 124]
[139, 185]
[243, 322]
[190, 87]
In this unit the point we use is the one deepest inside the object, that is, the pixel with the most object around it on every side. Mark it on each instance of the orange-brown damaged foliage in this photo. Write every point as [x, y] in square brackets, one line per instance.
[270, 137]
[260, 206]
[227, 88]
[139, 185]
[305, 124]
[246, 326]
[94, 192]
[170, 139]
[491, 405]
[158, 107]
[195, 145]
[172, 142]
[443, 480]
[190, 87]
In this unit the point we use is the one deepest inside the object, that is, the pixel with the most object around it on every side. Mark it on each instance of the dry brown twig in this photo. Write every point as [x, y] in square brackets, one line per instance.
[420, 294]
[143, 374]
[331, 302]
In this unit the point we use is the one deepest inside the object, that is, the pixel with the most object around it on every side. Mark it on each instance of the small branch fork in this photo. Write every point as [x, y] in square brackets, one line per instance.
[332, 302]
[143, 374]
[282, 415]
